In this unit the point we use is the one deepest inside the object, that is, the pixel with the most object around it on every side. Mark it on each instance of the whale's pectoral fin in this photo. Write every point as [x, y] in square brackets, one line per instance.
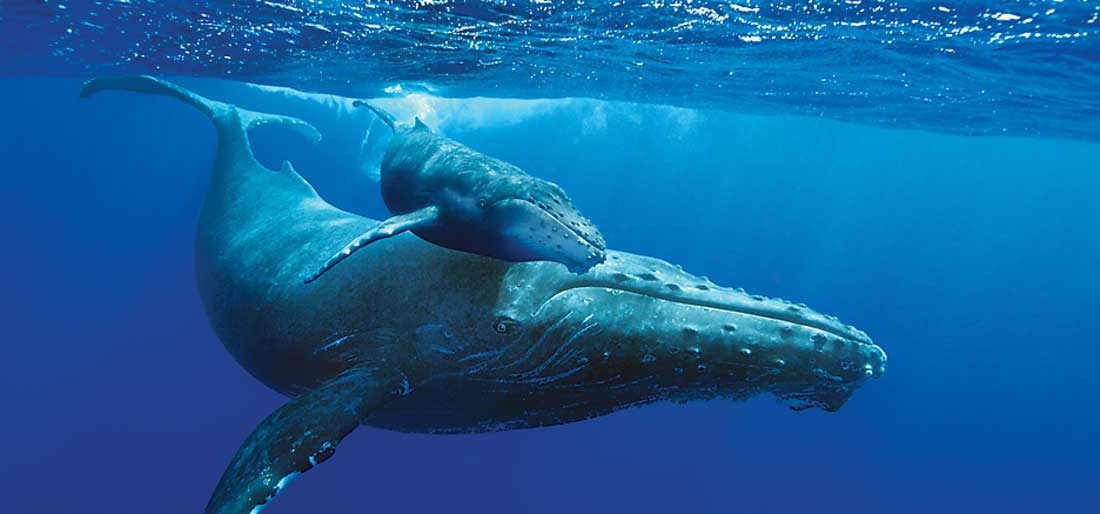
[387, 228]
[298, 436]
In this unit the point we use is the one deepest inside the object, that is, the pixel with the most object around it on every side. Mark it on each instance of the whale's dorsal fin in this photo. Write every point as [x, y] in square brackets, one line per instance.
[298, 436]
[419, 125]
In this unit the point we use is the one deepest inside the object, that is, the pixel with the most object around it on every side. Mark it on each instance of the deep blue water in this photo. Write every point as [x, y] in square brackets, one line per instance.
[972, 260]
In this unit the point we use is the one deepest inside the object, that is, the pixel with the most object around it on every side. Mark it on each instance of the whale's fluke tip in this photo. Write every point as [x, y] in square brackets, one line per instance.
[95, 85]
[252, 119]
[88, 88]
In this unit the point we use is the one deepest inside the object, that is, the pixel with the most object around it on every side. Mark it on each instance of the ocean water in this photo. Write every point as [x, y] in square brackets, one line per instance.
[923, 170]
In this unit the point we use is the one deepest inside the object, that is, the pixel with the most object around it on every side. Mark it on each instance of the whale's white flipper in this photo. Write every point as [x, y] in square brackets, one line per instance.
[297, 437]
[388, 228]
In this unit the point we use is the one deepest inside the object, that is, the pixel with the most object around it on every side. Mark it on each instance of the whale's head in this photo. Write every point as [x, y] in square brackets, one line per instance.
[534, 220]
[640, 330]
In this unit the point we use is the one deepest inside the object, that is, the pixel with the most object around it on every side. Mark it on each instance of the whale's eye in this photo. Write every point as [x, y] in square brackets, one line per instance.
[483, 202]
[502, 326]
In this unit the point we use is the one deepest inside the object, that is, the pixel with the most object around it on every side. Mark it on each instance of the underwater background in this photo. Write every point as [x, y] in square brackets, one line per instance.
[948, 203]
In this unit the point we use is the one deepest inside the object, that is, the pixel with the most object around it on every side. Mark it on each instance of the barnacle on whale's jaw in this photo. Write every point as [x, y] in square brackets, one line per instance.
[639, 322]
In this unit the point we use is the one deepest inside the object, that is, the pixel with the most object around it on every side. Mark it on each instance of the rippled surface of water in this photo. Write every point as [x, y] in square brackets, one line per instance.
[972, 67]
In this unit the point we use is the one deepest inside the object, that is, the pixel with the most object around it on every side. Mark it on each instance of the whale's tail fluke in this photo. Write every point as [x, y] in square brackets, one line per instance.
[244, 196]
[218, 111]
[385, 116]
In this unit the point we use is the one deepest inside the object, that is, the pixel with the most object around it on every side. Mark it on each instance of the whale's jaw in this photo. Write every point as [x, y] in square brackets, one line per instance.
[637, 322]
[534, 232]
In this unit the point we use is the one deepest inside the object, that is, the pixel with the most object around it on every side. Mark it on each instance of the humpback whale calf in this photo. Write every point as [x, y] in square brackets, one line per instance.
[453, 196]
[415, 337]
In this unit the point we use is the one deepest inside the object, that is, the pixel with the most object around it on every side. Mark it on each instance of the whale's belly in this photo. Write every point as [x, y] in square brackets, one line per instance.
[460, 405]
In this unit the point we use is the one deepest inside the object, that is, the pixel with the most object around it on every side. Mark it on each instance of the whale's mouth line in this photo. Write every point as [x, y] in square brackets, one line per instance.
[744, 309]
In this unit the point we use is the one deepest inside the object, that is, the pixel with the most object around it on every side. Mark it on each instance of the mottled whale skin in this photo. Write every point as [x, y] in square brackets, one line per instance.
[456, 197]
[414, 337]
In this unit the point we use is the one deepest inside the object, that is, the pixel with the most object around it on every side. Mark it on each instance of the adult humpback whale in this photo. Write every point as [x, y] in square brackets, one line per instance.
[418, 338]
[459, 198]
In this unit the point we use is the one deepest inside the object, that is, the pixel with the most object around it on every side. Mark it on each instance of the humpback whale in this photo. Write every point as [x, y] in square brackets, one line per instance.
[453, 196]
[415, 337]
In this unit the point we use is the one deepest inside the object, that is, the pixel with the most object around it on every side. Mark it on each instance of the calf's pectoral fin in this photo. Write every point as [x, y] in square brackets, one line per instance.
[296, 437]
[387, 228]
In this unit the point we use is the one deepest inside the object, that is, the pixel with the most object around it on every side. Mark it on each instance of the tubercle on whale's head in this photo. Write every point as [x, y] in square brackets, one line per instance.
[538, 221]
[647, 331]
